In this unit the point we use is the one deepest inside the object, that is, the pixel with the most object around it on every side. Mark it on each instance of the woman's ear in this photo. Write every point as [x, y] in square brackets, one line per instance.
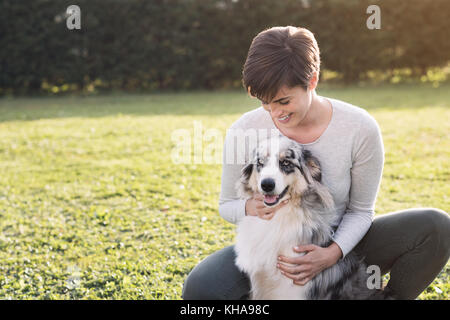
[313, 81]
[249, 92]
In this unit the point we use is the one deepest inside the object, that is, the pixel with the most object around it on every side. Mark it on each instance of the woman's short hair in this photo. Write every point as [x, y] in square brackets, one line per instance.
[280, 56]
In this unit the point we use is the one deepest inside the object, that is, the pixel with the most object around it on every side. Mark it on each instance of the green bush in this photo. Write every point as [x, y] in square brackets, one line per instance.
[197, 44]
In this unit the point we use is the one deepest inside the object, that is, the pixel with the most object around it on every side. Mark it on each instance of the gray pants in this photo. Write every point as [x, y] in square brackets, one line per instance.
[413, 245]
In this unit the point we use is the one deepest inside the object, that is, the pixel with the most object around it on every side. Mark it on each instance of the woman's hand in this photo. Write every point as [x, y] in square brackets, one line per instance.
[308, 266]
[255, 207]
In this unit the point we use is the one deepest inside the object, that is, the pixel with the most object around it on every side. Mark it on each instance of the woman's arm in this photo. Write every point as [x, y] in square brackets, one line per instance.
[236, 151]
[366, 174]
[231, 208]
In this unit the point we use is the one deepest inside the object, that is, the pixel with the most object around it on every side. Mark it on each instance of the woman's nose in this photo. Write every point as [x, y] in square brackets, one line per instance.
[275, 112]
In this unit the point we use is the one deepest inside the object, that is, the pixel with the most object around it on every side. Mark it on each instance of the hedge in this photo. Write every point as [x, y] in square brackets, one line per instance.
[202, 44]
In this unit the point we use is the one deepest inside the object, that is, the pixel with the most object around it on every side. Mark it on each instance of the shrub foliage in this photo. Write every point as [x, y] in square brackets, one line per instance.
[202, 44]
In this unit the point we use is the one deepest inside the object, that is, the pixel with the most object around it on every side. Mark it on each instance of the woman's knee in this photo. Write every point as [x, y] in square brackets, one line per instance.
[430, 220]
[441, 226]
[215, 278]
[199, 284]
[435, 225]
[193, 288]
[436, 221]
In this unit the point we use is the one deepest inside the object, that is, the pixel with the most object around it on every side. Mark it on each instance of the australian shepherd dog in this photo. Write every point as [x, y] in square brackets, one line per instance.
[282, 169]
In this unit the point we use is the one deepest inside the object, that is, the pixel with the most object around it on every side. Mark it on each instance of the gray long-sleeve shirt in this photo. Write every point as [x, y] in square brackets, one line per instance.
[351, 154]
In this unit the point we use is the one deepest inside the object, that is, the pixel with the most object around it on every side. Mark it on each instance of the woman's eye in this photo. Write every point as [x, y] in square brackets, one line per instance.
[284, 102]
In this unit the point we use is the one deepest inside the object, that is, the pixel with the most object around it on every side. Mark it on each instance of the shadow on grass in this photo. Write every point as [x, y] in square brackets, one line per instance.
[209, 103]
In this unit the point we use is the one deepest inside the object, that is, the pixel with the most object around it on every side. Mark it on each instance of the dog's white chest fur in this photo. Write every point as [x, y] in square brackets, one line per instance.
[259, 242]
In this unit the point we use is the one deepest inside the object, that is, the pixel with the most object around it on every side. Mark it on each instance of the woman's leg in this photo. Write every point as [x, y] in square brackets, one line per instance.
[413, 245]
[217, 278]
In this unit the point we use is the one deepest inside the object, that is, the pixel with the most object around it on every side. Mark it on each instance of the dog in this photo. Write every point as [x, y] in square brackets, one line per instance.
[282, 169]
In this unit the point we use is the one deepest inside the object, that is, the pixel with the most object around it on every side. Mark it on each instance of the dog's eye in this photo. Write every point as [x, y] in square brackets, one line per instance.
[285, 163]
[259, 162]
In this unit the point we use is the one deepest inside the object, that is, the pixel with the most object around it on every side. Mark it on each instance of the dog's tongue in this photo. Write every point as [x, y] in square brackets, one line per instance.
[270, 199]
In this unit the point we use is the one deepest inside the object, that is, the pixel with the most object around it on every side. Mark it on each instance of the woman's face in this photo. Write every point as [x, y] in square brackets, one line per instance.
[289, 107]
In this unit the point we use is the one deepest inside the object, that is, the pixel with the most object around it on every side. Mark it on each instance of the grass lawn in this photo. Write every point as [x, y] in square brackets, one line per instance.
[92, 207]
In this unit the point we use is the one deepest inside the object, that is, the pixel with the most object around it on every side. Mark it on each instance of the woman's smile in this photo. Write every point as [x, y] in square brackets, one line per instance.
[285, 118]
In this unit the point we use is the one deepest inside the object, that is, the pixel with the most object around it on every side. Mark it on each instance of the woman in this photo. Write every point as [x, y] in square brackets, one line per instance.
[282, 70]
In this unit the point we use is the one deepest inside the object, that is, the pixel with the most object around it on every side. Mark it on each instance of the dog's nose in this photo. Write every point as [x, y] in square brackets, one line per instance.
[268, 184]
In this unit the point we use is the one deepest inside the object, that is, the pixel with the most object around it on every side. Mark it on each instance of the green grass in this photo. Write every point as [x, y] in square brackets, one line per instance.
[91, 206]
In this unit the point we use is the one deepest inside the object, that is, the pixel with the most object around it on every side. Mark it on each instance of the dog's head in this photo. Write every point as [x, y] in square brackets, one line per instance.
[279, 169]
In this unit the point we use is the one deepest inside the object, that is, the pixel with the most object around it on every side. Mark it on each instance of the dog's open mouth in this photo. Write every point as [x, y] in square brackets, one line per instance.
[271, 200]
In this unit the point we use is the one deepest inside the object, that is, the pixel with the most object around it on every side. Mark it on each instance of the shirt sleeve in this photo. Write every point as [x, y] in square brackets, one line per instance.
[231, 207]
[366, 174]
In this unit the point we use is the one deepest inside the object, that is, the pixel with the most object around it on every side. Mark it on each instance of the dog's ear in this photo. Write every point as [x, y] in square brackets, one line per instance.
[308, 164]
[243, 186]
[246, 172]
[313, 164]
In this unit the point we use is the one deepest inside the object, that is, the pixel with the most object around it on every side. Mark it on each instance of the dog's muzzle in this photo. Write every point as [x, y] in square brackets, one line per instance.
[272, 199]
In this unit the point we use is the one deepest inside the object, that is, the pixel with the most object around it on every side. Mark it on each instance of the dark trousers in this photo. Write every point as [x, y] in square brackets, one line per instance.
[413, 245]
